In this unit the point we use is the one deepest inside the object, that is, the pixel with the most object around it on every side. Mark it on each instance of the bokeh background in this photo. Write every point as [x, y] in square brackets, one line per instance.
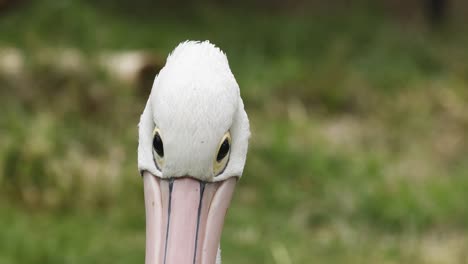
[358, 109]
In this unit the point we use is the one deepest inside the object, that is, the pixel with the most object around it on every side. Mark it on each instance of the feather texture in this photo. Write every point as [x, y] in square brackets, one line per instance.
[194, 101]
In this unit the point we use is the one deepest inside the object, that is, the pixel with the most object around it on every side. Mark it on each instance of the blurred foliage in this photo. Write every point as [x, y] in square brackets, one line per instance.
[359, 143]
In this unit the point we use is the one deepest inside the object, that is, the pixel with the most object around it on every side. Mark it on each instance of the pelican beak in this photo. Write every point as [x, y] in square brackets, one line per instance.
[184, 219]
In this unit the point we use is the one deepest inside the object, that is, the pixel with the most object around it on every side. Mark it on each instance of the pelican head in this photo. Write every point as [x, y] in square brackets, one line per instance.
[193, 139]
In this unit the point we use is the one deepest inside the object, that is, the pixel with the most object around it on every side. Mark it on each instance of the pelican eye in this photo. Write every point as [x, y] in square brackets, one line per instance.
[158, 149]
[222, 157]
[158, 145]
[223, 150]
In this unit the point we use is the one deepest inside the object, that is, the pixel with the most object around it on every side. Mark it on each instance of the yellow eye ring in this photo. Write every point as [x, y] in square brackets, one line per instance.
[222, 155]
[158, 149]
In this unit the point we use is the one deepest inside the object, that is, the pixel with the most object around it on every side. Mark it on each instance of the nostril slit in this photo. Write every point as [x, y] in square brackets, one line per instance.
[202, 190]
[171, 186]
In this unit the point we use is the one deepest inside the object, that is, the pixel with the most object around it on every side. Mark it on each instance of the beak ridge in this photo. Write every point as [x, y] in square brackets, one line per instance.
[184, 219]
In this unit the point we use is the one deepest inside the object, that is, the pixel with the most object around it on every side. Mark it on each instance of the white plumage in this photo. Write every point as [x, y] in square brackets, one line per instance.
[194, 101]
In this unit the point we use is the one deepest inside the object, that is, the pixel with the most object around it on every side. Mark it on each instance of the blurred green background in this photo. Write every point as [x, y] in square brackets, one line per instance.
[358, 109]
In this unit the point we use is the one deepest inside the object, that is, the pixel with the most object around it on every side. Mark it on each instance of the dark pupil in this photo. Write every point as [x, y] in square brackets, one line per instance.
[158, 145]
[223, 150]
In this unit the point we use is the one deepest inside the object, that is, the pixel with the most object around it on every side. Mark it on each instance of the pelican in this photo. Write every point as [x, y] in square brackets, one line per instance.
[193, 140]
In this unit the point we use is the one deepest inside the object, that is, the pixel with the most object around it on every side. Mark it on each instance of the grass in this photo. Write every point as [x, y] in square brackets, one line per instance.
[358, 150]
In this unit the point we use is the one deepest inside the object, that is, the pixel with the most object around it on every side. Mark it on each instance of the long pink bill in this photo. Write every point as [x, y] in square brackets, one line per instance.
[184, 219]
